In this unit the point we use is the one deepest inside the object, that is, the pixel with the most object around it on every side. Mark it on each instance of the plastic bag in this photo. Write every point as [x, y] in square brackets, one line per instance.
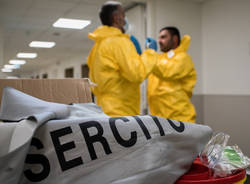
[223, 160]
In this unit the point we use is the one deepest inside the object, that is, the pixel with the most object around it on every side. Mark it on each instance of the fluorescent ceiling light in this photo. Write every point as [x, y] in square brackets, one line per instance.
[17, 62]
[6, 70]
[42, 44]
[12, 66]
[71, 23]
[27, 55]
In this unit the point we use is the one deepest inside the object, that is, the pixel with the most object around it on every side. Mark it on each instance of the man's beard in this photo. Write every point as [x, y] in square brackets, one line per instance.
[168, 47]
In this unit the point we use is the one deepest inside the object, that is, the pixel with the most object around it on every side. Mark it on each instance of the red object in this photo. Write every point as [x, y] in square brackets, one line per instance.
[199, 173]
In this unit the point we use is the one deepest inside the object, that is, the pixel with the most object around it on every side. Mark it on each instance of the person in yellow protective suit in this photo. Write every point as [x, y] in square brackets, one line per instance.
[171, 84]
[115, 66]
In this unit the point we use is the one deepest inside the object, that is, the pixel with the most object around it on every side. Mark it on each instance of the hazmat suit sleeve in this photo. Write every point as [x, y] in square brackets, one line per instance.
[90, 64]
[134, 67]
[176, 68]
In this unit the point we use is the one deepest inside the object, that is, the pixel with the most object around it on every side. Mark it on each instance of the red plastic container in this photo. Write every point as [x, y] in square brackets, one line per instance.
[199, 173]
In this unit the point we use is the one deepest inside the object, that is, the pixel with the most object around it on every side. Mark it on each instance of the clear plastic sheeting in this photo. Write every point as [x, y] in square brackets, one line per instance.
[222, 159]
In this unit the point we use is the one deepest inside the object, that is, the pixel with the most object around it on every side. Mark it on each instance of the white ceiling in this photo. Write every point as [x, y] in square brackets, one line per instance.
[26, 20]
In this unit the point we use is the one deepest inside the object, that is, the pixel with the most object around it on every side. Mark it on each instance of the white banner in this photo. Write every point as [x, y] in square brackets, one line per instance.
[82, 149]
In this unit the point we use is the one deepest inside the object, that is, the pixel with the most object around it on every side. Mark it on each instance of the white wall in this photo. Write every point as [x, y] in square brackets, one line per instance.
[57, 70]
[226, 57]
[137, 20]
[137, 25]
[2, 75]
[226, 46]
[185, 15]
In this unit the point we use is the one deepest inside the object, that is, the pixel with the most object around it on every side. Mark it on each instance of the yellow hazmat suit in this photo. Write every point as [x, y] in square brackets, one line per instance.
[118, 70]
[171, 84]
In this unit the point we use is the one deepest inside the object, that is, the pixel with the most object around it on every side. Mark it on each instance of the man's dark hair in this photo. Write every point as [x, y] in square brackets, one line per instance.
[173, 31]
[106, 12]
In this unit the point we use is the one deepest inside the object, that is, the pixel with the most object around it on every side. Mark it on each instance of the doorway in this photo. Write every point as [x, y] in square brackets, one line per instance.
[69, 73]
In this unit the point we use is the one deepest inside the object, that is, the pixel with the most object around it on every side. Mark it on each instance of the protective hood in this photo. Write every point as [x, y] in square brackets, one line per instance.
[184, 45]
[104, 32]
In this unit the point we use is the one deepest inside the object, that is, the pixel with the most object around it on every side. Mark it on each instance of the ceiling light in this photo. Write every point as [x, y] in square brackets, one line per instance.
[42, 44]
[12, 67]
[27, 55]
[71, 23]
[6, 70]
[17, 62]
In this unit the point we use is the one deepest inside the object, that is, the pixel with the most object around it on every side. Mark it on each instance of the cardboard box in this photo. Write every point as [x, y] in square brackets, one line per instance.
[64, 91]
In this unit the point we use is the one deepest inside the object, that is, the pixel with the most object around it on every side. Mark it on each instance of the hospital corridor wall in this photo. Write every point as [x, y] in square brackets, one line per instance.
[226, 63]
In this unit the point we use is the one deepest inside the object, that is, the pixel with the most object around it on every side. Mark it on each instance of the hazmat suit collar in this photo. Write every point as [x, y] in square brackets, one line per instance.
[184, 45]
[104, 32]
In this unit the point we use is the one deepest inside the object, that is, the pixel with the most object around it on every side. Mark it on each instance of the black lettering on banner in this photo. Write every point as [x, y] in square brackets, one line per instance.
[158, 124]
[143, 127]
[37, 159]
[119, 139]
[180, 128]
[90, 140]
[60, 148]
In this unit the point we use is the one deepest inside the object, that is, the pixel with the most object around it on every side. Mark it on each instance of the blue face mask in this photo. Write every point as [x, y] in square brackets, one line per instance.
[126, 26]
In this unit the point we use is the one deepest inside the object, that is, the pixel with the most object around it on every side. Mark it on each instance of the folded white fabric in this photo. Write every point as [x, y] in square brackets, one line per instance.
[82, 145]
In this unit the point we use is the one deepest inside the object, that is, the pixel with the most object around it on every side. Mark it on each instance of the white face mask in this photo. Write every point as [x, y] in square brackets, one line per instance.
[126, 25]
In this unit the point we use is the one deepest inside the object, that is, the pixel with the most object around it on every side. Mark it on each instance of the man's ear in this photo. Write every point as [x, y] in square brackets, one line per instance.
[115, 18]
[175, 39]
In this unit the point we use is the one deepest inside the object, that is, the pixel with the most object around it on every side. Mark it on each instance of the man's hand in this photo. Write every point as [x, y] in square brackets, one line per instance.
[151, 43]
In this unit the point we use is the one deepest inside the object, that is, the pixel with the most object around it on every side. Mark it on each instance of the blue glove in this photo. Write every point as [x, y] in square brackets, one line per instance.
[136, 44]
[151, 43]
